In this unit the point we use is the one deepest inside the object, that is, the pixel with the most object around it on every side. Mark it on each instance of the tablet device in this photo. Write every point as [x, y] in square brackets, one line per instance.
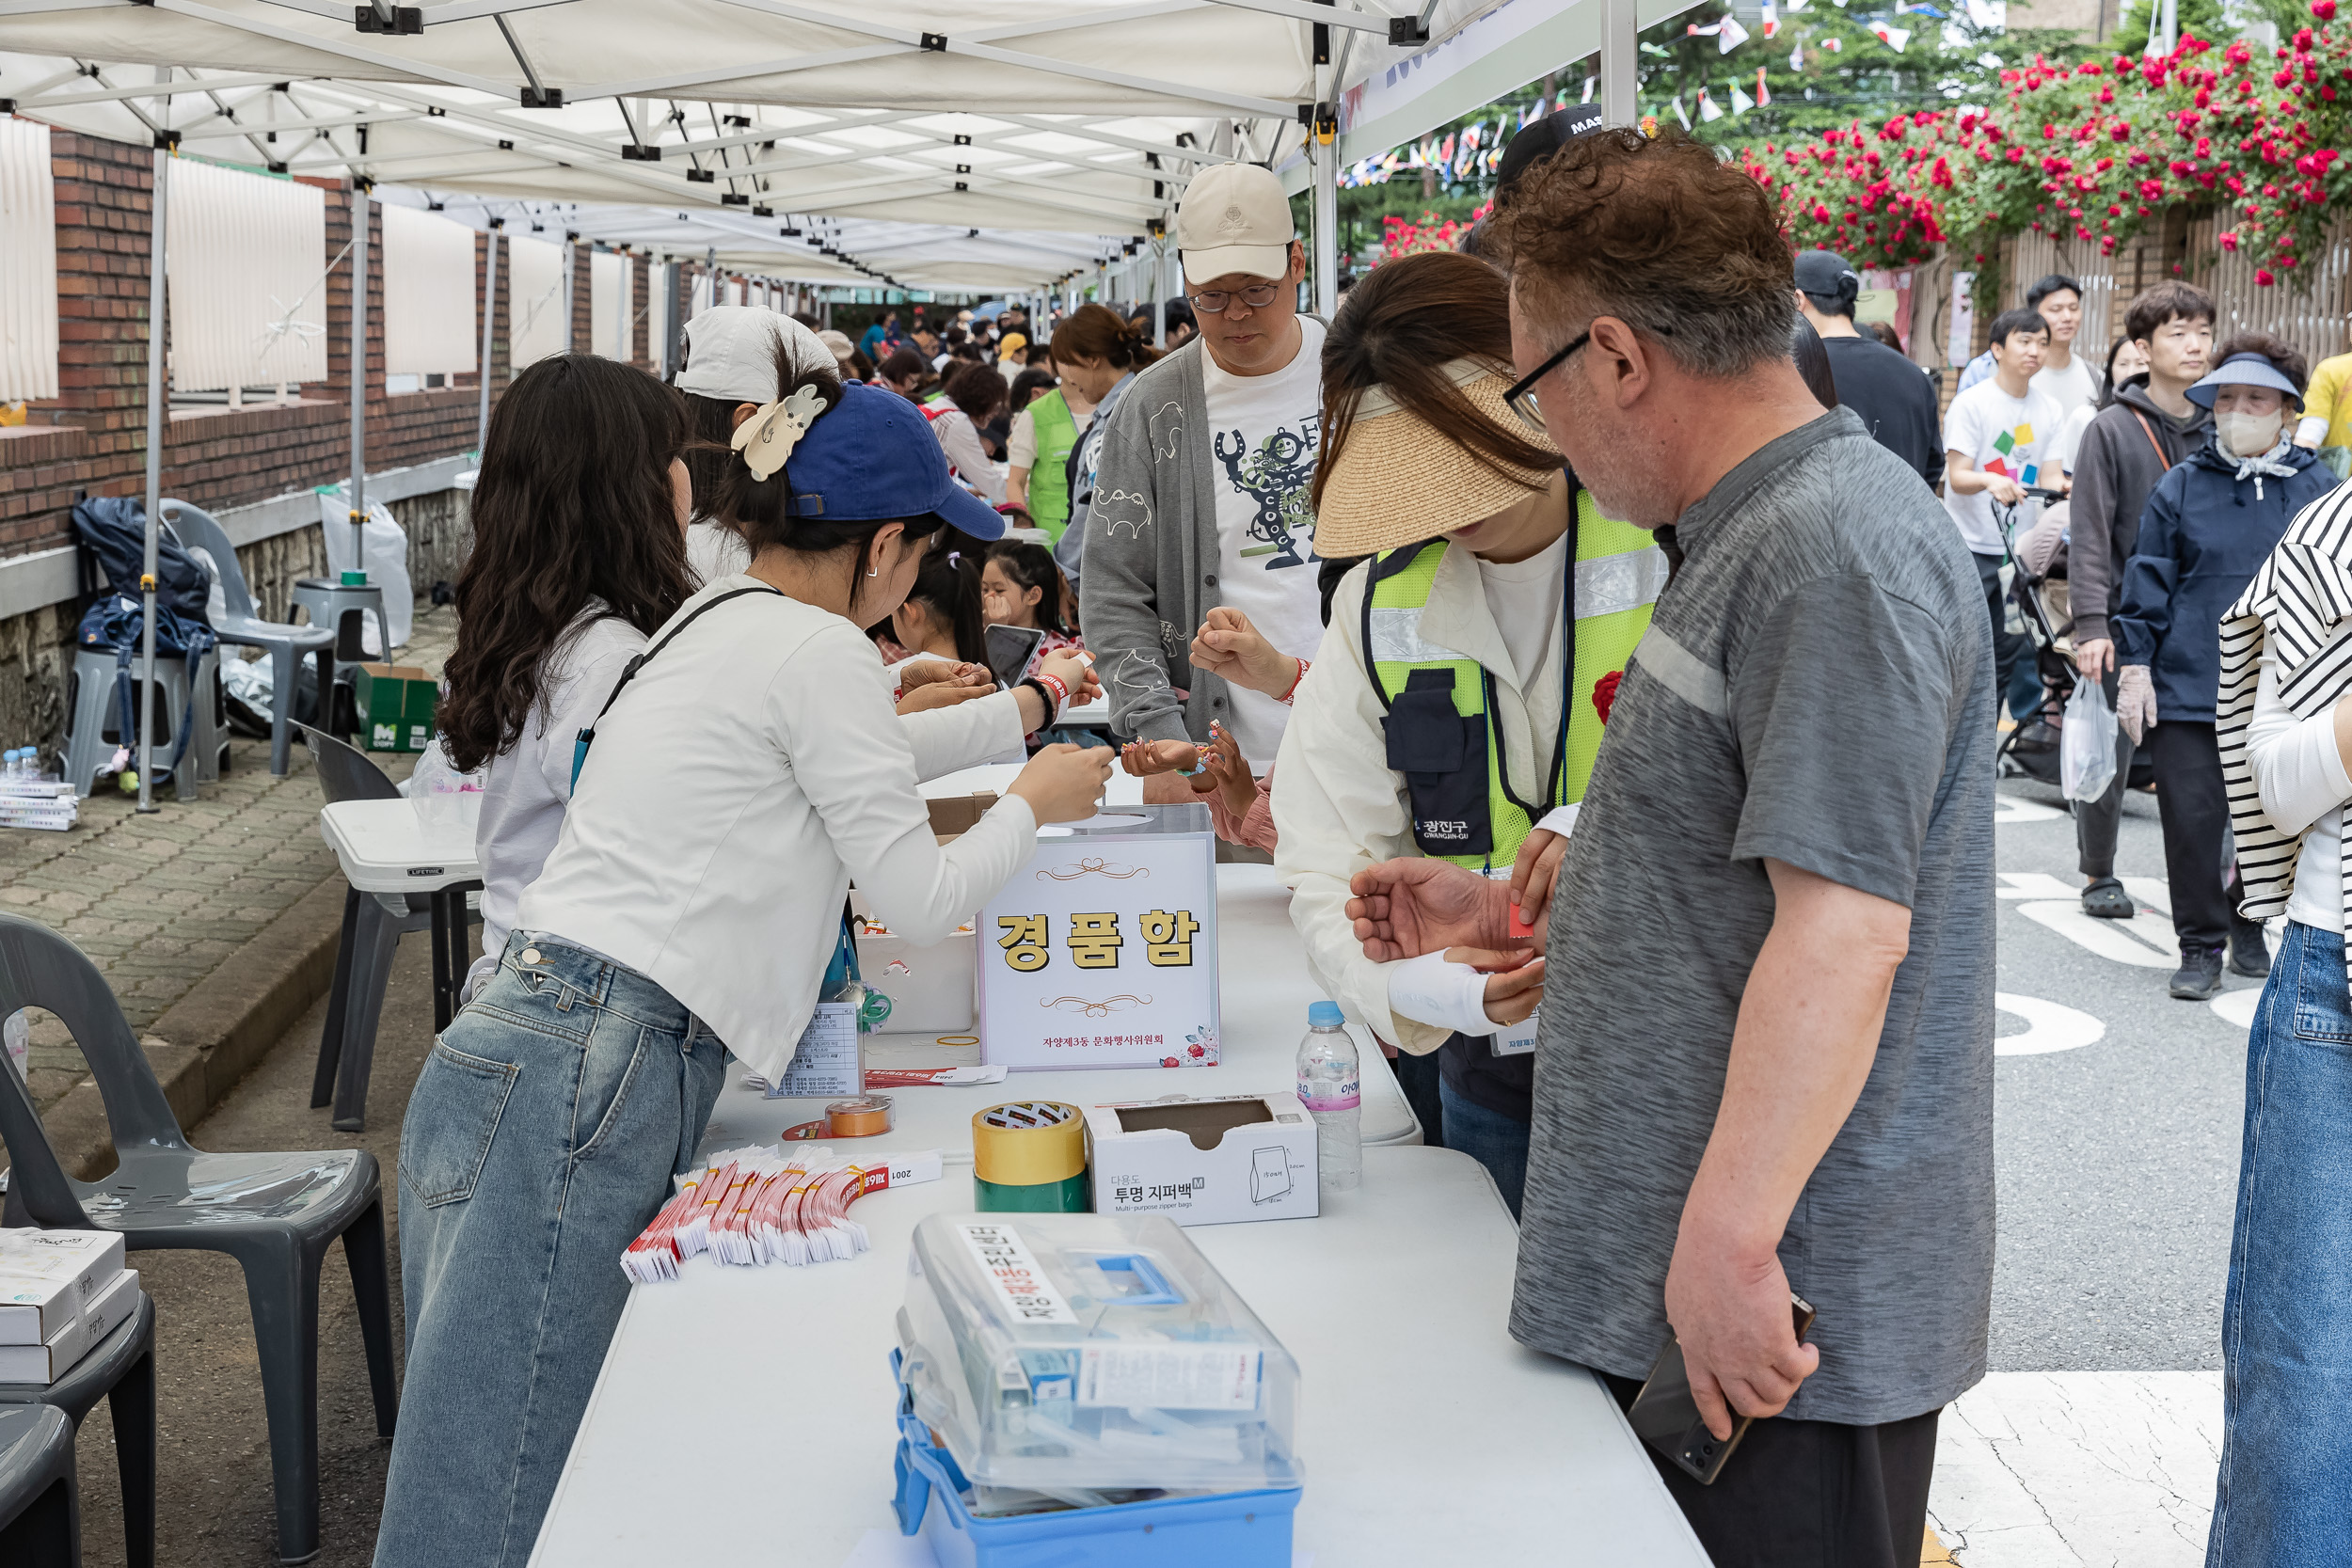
[1010, 651]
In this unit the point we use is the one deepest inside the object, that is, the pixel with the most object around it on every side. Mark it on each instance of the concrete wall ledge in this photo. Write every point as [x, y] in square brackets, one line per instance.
[45, 577]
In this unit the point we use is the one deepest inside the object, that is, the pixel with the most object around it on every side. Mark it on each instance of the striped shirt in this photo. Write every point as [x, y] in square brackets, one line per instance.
[2298, 612]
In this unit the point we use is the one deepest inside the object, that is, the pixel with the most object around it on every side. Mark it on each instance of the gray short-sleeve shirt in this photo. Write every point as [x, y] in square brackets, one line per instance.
[1816, 687]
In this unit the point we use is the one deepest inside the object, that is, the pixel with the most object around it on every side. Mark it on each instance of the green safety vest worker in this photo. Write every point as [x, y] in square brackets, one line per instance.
[1438, 734]
[1049, 478]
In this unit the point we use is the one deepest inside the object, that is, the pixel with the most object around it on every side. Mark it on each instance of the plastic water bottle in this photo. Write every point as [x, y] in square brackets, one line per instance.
[1330, 1087]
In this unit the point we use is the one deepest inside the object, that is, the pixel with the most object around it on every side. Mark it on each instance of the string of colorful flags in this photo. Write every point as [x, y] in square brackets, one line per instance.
[1473, 150]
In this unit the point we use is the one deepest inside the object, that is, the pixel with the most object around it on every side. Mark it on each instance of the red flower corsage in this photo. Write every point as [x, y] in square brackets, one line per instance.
[1605, 693]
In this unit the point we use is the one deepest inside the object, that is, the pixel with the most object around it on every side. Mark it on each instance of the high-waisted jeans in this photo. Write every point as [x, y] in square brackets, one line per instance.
[2286, 1324]
[540, 1140]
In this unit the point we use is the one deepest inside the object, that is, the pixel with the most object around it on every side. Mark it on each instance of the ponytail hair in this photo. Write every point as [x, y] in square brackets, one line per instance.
[947, 586]
[1096, 332]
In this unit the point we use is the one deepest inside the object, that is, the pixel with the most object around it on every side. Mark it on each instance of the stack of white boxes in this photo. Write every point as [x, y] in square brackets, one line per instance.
[61, 1291]
[37, 801]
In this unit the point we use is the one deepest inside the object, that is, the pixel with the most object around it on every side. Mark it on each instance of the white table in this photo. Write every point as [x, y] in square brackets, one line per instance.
[1264, 991]
[1427, 1435]
[1095, 715]
[421, 843]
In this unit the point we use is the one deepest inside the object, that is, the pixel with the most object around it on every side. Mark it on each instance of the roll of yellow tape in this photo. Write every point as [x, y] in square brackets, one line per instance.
[1028, 1142]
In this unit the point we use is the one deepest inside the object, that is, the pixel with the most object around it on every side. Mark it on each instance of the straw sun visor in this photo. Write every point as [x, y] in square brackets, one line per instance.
[1398, 482]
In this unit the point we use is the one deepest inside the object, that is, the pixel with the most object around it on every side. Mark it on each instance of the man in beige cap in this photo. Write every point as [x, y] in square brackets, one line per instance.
[1201, 489]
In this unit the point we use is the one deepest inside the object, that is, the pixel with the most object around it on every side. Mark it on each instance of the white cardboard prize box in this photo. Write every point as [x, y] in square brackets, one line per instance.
[1206, 1161]
[1102, 951]
[115, 1300]
[50, 1277]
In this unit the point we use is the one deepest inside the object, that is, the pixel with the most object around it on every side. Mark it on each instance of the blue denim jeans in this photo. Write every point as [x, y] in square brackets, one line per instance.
[1490, 1137]
[2286, 1324]
[540, 1140]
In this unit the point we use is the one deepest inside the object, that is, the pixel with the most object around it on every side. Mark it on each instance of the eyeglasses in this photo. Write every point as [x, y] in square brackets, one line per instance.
[1216, 302]
[1520, 398]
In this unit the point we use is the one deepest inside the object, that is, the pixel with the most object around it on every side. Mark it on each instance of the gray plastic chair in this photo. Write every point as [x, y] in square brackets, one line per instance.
[373, 923]
[40, 1510]
[288, 645]
[275, 1213]
[121, 1368]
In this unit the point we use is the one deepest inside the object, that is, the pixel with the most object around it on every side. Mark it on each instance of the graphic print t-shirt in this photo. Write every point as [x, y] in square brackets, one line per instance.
[2000, 434]
[1264, 433]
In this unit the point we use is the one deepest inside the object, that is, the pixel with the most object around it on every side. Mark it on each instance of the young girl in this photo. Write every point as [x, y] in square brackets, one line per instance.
[941, 617]
[1021, 587]
[583, 497]
[746, 773]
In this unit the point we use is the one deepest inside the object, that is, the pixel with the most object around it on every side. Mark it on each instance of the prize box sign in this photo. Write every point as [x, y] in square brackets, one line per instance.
[1102, 951]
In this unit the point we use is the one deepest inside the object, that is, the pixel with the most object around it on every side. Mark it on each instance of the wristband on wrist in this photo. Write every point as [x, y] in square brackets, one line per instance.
[1286, 696]
[1058, 688]
[1045, 695]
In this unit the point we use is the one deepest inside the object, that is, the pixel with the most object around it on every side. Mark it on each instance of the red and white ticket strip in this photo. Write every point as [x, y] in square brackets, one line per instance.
[753, 1208]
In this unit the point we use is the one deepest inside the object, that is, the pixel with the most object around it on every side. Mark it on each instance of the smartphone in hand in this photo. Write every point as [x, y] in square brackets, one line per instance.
[1666, 1418]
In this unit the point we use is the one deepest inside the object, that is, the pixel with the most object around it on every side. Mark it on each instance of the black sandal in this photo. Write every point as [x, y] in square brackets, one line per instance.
[2106, 900]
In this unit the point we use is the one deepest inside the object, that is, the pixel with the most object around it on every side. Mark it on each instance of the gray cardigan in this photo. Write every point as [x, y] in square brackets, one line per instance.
[1150, 555]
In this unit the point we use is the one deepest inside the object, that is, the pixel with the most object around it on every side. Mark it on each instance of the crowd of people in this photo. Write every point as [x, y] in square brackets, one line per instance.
[1587, 595]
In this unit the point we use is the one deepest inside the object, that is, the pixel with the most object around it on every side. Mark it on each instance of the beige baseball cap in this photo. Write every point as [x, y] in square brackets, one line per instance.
[1234, 219]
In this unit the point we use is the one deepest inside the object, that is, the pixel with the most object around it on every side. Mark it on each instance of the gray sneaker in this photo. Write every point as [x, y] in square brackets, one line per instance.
[2199, 978]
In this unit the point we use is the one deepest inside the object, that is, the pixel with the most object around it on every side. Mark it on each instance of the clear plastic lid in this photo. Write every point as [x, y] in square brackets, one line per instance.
[1093, 1350]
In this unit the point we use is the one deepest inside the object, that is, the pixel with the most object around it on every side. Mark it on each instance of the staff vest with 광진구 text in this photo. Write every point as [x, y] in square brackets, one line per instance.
[1441, 732]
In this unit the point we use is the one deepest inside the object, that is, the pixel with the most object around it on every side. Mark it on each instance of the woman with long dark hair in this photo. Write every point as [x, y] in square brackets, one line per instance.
[742, 771]
[579, 556]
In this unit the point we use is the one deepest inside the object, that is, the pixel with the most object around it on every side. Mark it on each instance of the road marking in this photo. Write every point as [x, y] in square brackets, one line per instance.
[2033, 884]
[2078, 1470]
[2016, 808]
[2049, 1026]
[2238, 1006]
[2145, 941]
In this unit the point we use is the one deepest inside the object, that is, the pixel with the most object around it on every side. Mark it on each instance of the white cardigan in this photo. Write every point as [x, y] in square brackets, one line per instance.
[2299, 772]
[752, 769]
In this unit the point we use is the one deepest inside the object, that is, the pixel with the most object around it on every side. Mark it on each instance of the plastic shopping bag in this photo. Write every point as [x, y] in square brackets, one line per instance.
[385, 555]
[2087, 743]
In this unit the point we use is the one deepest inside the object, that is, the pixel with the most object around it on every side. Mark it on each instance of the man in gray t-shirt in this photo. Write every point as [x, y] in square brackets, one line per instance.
[1766, 1059]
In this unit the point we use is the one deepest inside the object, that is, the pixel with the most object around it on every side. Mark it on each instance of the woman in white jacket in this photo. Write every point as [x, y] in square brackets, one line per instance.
[1457, 699]
[747, 768]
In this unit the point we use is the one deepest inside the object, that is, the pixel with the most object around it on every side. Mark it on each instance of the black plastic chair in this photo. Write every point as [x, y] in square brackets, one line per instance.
[40, 1512]
[120, 1369]
[373, 923]
[275, 1213]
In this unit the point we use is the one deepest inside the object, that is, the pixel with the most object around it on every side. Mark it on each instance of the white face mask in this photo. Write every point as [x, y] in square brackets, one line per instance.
[2249, 435]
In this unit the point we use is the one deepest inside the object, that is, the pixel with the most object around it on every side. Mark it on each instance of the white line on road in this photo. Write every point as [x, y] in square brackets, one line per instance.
[2145, 941]
[2050, 1026]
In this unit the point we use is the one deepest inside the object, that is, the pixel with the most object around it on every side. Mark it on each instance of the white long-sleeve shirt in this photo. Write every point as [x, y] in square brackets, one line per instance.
[961, 440]
[1340, 809]
[2300, 776]
[751, 770]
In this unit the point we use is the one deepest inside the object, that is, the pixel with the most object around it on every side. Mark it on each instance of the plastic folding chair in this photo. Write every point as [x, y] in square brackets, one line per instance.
[120, 1369]
[275, 1213]
[288, 645]
[40, 1512]
[373, 923]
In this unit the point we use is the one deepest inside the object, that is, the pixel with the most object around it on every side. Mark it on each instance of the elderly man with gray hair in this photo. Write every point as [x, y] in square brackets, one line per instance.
[1765, 1067]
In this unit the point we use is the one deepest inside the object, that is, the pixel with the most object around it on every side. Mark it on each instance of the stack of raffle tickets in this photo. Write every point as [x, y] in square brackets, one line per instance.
[1082, 1390]
[753, 1207]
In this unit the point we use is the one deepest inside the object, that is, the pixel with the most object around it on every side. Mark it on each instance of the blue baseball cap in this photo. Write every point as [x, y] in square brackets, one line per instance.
[872, 457]
[2244, 370]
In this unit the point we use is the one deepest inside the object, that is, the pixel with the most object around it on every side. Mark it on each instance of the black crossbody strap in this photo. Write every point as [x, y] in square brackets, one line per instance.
[587, 737]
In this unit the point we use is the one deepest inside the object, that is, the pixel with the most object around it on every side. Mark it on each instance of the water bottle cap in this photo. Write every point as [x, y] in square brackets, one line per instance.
[1324, 1015]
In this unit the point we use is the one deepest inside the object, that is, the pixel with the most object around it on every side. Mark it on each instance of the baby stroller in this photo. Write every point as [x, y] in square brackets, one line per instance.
[2037, 593]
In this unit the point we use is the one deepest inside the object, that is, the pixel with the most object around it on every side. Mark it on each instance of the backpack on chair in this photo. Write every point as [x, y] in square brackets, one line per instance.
[111, 530]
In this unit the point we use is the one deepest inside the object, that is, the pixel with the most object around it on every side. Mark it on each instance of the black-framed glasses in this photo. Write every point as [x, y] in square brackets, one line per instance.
[1521, 400]
[1216, 302]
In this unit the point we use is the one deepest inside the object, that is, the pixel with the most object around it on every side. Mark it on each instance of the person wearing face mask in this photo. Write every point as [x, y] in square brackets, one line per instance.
[2208, 526]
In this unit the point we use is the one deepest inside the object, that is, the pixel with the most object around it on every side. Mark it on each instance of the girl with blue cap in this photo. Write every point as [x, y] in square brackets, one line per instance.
[745, 768]
[2209, 524]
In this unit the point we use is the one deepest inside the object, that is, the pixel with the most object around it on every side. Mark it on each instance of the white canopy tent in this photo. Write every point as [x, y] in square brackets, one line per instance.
[1027, 117]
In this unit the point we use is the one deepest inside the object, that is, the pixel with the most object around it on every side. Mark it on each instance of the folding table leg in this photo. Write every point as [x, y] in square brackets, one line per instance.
[441, 985]
[338, 1001]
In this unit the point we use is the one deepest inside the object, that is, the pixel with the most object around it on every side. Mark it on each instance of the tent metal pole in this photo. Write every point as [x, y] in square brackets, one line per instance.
[489, 308]
[1620, 64]
[155, 395]
[1325, 174]
[358, 381]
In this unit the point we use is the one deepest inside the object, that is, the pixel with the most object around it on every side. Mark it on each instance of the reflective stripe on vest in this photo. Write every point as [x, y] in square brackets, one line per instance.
[1049, 479]
[1620, 574]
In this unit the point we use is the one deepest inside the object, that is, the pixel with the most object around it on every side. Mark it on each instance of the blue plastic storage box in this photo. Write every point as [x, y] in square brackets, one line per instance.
[1223, 1530]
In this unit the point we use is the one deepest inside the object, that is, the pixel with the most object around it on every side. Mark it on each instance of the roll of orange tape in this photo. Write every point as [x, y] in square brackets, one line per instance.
[865, 1117]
